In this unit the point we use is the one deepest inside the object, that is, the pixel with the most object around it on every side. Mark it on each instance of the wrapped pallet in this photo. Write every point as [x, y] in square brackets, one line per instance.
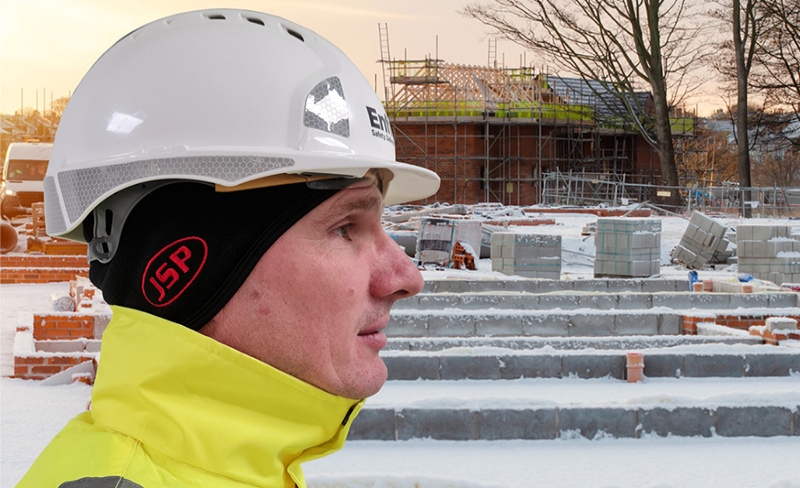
[437, 237]
[768, 252]
[627, 248]
[527, 255]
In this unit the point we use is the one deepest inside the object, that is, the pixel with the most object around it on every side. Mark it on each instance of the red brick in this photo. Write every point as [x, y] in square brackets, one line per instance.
[70, 360]
[46, 369]
[28, 360]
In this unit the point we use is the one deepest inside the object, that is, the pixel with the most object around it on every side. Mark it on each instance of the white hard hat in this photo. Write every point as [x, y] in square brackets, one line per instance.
[220, 96]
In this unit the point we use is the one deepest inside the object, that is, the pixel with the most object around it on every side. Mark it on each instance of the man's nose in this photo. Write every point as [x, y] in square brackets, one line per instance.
[395, 276]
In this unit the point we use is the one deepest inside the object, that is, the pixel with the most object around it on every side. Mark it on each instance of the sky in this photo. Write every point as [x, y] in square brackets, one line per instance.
[46, 46]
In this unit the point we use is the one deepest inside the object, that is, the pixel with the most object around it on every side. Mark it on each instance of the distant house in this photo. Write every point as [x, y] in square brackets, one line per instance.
[498, 135]
[16, 129]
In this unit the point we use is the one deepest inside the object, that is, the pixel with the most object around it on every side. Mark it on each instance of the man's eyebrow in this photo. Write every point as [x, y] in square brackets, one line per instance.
[372, 202]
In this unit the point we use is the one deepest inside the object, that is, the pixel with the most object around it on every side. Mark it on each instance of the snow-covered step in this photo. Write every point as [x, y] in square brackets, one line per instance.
[574, 300]
[558, 408]
[602, 285]
[487, 363]
[563, 343]
[553, 323]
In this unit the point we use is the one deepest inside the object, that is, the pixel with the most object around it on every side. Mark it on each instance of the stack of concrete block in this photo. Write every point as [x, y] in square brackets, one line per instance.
[703, 242]
[527, 255]
[768, 252]
[437, 237]
[736, 287]
[627, 247]
[589, 229]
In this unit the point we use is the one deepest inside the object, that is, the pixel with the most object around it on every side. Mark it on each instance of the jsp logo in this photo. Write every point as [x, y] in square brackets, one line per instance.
[170, 272]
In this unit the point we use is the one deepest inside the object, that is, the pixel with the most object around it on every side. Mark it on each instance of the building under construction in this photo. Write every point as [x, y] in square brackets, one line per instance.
[498, 135]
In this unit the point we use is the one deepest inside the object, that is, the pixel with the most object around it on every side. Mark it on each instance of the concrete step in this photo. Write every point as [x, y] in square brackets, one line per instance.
[543, 323]
[737, 361]
[575, 300]
[615, 285]
[552, 323]
[623, 343]
[568, 408]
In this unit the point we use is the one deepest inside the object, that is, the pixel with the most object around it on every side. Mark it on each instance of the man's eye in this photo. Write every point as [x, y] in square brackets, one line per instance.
[343, 231]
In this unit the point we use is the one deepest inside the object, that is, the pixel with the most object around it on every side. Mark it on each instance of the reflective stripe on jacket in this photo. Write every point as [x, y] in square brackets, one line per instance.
[173, 408]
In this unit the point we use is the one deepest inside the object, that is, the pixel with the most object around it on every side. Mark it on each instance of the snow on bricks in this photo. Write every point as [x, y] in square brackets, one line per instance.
[62, 326]
[42, 367]
[52, 342]
[38, 268]
[777, 329]
[745, 322]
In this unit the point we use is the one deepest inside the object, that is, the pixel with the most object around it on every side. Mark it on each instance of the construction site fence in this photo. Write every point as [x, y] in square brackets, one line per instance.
[587, 189]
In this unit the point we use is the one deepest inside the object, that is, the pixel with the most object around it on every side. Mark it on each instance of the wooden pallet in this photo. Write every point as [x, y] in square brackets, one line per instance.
[40, 242]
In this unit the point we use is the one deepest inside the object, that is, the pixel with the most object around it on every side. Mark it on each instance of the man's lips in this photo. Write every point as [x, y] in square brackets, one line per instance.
[376, 326]
[373, 335]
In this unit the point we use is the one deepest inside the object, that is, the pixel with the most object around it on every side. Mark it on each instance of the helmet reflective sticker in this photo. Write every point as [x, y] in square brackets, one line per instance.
[326, 108]
[81, 187]
[55, 219]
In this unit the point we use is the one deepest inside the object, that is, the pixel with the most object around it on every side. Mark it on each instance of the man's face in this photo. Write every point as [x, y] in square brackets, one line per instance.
[315, 304]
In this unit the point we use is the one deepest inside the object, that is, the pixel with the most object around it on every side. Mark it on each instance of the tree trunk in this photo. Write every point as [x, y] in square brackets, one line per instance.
[663, 127]
[665, 150]
[742, 144]
[742, 72]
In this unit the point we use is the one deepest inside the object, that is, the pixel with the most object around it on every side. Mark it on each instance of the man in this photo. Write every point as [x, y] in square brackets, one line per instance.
[228, 170]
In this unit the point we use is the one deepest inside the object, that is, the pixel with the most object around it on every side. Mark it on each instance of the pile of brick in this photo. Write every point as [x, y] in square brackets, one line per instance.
[627, 248]
[527, 255]
[768, 252]
[702, 243]
[438, 237]
[776, 330]
[54, 341]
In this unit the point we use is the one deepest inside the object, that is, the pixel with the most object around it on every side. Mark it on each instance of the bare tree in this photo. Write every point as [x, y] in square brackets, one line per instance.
[778, 55]
[58, 106]
[621, 44]
[746, 26]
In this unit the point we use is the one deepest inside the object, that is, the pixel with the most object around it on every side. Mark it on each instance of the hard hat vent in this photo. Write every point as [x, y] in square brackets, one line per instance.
[294, 33]
[214, 16]
[255, 20]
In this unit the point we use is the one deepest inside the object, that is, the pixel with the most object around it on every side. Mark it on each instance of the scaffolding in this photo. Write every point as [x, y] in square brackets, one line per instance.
[492, 132]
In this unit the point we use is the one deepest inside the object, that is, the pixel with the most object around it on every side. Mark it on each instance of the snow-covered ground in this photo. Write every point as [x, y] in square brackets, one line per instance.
[30, 414]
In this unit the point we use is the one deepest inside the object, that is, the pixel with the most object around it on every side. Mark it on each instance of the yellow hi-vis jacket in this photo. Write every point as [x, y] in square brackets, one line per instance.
[173, 408]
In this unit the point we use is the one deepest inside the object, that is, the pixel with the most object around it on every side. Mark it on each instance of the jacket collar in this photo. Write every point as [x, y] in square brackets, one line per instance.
[200, 402]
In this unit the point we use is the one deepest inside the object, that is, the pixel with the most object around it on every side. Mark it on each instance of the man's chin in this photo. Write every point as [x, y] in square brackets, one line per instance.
[369, 382]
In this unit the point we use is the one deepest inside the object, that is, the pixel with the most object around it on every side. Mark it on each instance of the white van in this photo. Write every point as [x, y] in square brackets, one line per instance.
[23, 176]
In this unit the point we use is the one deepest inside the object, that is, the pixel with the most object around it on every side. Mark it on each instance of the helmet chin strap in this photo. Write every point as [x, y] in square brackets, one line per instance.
[110, 215]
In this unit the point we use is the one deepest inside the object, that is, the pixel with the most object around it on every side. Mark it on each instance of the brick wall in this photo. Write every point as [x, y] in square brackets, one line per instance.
[690, 322]
[43, 366]
[56, 341]
[458, 152]
[774, 338]
[73, 325]
[740, 322]
[35, 268]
